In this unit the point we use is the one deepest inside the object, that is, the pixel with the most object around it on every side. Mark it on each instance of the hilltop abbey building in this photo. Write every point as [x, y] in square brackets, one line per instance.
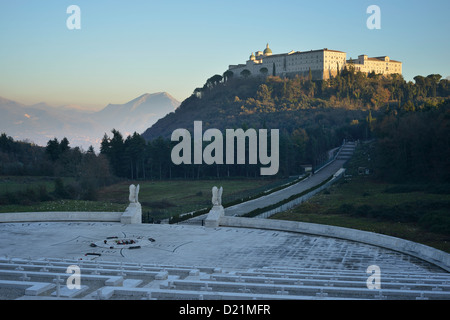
[323, 64]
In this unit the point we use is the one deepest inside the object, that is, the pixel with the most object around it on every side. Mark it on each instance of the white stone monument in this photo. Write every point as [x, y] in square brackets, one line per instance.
[133, 213]
[217, 196]
[132, 196]
[217, 211]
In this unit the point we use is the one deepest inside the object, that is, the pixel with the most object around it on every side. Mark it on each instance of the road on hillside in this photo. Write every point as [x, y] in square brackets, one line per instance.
[275, 197]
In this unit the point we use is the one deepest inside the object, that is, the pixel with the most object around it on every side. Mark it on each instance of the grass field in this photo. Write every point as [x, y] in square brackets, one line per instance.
[168, 198]
[161, 199]
[22, 183]
[66, 205]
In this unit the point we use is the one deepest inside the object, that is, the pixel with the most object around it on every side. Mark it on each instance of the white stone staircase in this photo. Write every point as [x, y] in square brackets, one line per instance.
[346, 151]
[28, 279]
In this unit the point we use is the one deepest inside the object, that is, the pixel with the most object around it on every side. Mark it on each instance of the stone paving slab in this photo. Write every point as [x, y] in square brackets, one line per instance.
[224, 247]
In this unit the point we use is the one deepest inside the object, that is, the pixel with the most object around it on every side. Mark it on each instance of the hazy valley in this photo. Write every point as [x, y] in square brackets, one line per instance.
[41, 122]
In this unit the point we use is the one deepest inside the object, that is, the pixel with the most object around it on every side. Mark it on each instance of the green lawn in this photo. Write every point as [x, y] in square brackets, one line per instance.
[66, 205]
[22, 183]
[172, 197]
[161, 198]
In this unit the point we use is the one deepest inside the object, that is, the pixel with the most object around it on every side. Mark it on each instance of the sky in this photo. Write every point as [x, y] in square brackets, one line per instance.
[127, 48]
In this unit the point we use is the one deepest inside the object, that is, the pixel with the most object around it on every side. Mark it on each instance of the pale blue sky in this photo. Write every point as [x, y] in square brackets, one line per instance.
[127, 48]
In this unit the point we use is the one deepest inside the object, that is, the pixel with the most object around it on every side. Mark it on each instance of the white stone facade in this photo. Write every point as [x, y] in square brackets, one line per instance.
[323, 64]
[380, 65]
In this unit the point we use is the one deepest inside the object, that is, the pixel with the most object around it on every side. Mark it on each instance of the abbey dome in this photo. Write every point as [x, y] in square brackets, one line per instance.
[267, 51]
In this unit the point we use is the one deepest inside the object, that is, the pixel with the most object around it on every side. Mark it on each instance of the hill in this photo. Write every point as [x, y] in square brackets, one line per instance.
[257, 103]
[288, 104]
[316, 116]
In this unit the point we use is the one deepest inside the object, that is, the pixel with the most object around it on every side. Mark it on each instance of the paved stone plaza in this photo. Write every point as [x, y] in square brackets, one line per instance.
[225, 247]
[173, 262]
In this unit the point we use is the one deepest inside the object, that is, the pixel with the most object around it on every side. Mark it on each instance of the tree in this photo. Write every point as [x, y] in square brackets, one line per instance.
[135, 150]
[104, 145]
[6, 143]
[198, 92]
[245, 73]
[300, 140]
[227, 75]
[214, 81]
[408, 107]
[68, 163]
[160, 154]
[380, 96]
[413, 146]
[421, 85]
[444, 88]
[263, 94]
[53, 149]
[113, 149]
[64, 145]
[434, 82]
[264, 71]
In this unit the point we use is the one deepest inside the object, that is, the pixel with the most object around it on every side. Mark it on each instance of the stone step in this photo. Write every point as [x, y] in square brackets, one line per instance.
[30, 288]
[107, 279]
[36, 278]
[65, 292]
[302, 290]
[425, 278]
[170, 294]
[336, 282]
[99, 268]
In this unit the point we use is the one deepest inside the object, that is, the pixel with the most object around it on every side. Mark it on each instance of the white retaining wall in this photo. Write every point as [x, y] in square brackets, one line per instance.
[60, 216]
[132, 214]
[339, 174]
[432, 255]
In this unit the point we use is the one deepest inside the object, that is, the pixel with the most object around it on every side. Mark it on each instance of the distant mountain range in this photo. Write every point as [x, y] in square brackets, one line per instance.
[40, 122]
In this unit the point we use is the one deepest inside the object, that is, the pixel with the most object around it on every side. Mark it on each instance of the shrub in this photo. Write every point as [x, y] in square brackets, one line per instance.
[89, 193]
[29, 196]
[11, 198]
[43, 193]
[60, 190]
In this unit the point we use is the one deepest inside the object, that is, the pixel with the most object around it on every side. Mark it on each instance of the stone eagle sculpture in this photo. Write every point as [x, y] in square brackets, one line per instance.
[134, 193]
[217, 196]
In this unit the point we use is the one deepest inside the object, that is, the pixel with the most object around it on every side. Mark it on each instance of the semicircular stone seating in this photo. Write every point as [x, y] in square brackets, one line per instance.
[48, 279]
